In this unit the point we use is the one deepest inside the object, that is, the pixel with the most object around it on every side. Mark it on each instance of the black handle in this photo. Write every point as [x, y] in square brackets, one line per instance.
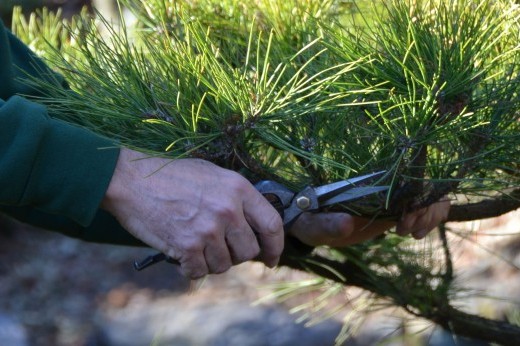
[150, 260]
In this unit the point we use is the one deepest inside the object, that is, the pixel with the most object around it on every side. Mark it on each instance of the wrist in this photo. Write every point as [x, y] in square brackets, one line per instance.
[117, 186]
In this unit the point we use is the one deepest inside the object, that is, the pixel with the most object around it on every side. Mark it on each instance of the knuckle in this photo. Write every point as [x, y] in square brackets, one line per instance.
[224, 211]
[240, 186]
[210, 230]
[235, 180]
[239, 181]
[192, 247]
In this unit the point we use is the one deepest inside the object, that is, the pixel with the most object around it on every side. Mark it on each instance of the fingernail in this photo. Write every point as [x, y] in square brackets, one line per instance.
[420, 234]
[400, 230]
[272, 263]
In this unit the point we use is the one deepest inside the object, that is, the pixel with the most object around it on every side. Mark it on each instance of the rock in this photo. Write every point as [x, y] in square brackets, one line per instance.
[12, 333]
[194, 322]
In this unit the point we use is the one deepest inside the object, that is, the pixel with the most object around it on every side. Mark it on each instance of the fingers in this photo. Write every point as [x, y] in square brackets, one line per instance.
[323, 228]
[226, 236]
[338, 229]
[268, 225]
[215, 254]
[218, 257]
[409, 221]
[219, 247]
[193, 265]
[196, 212]
[230, 238]
[421, 222]
[242, 244]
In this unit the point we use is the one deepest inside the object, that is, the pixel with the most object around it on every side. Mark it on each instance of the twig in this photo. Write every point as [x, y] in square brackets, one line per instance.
[448, 275]
[487, 208]
[443, 314]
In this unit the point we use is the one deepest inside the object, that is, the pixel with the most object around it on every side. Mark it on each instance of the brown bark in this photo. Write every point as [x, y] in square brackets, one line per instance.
[444, 314]
[487, 208]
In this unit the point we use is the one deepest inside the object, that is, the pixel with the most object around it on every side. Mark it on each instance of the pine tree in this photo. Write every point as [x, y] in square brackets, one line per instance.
[309, 92]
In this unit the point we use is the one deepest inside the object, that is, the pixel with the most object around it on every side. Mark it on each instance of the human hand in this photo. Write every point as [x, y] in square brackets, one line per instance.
[195, 212]
[421, 222]
[341, 229]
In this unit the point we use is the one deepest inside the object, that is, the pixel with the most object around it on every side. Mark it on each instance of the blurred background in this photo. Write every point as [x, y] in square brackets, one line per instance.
[69, 7]
[60, 291]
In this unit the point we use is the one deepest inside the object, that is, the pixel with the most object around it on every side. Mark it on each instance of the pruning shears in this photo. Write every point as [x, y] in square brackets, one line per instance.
[292, 204]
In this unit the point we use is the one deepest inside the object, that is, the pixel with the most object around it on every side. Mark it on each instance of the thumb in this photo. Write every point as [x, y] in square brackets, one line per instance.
[267, 224]
[322, 228]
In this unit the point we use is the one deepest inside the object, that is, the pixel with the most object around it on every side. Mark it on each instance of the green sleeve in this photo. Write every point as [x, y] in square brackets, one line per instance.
[51, 165]
[52, 173]
[103, 228]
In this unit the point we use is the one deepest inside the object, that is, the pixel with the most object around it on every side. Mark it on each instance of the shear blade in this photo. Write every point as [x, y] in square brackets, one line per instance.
[353, 194]
[330, 190]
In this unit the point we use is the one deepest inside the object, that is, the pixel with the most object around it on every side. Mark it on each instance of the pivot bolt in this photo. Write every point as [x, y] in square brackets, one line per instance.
[303, 202]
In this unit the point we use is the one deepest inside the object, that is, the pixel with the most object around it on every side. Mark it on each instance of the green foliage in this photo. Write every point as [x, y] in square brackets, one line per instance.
[307, 92]
[281, 90]
[48, 34]
[447, 90]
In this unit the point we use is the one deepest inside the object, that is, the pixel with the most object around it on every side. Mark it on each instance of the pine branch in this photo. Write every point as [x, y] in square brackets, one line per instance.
[443, 313]
[477, 327]
[427, 91]
[491, 207]
[448, 273]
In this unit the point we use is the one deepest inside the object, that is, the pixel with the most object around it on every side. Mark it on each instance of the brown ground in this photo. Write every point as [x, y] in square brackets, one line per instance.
[53, 284]
[59, 288]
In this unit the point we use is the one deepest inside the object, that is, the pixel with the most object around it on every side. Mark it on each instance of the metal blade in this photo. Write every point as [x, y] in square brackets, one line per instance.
[353, 194]
[328, 191]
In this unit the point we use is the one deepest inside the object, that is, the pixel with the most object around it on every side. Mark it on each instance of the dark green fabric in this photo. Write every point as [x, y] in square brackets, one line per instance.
[52, 174]
[103, 229]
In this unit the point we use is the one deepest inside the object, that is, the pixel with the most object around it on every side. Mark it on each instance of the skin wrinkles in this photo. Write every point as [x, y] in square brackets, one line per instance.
[204, 215]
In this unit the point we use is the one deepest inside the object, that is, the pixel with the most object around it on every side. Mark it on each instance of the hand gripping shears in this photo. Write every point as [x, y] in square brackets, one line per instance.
[292, 204]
